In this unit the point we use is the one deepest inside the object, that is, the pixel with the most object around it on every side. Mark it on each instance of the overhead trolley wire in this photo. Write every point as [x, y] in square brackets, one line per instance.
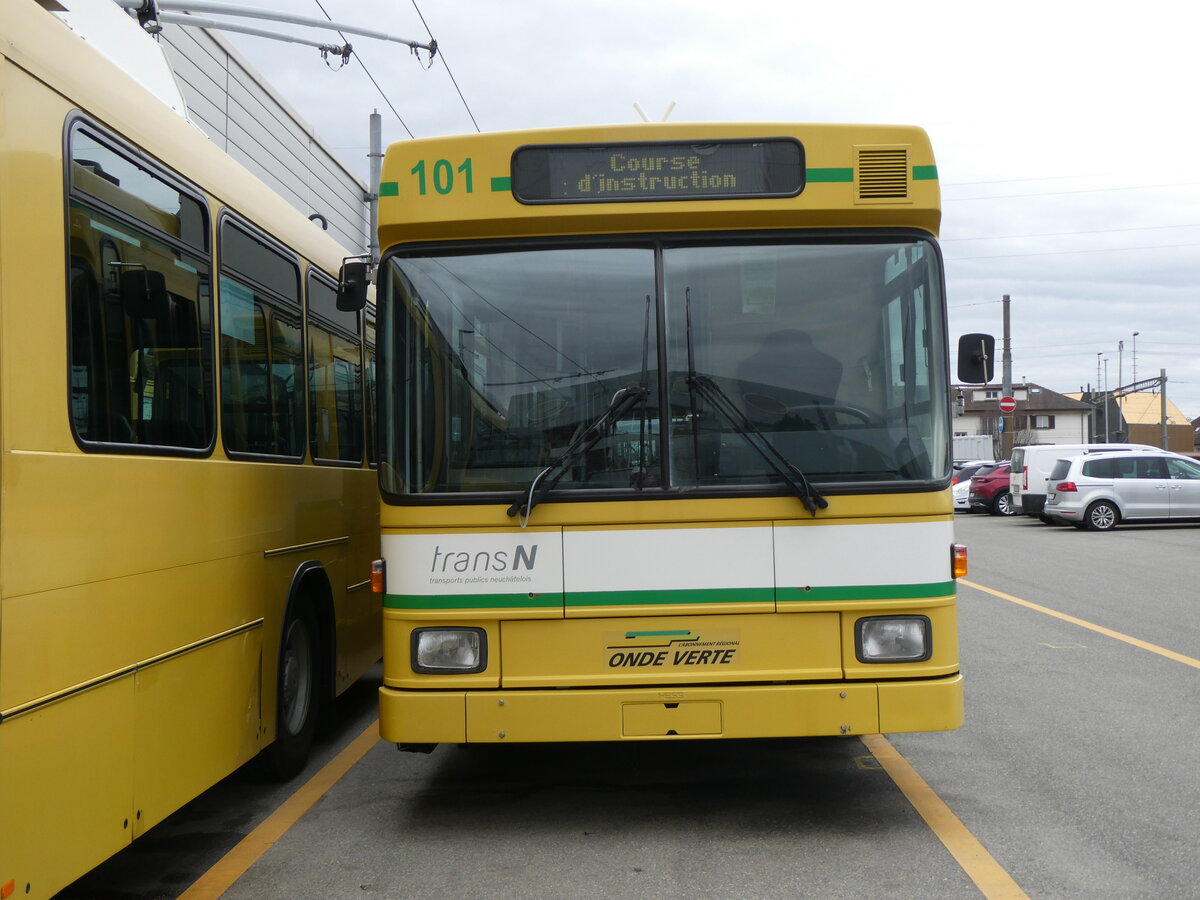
[363, 63]
[442, 55]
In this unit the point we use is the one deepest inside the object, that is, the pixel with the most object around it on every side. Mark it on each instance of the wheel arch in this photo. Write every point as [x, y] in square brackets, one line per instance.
[310, 584]
[1118, 513]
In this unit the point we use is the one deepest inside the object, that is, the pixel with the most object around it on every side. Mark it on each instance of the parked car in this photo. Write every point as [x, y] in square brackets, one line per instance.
[1100, 490]
[1031, 467]
[961, 482]
[962, 502]
[989, 491]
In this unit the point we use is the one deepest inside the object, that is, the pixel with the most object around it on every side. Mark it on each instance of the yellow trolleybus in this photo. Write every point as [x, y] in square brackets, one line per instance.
[188, 514]
[664, 443]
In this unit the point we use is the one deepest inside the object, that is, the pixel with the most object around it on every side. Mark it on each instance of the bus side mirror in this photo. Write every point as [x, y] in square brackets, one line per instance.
[976, 358]
[352, 285]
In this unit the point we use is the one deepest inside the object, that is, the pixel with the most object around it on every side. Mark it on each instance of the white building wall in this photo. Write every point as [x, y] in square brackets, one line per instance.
[232, 103]
[1068, 429]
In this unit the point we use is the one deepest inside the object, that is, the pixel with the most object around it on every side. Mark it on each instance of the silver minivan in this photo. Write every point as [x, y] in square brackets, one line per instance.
[1099, 490]
[1031, 465]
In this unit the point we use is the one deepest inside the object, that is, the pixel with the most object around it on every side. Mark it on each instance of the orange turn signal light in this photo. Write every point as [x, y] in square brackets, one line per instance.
[378, 576]
[958, 560]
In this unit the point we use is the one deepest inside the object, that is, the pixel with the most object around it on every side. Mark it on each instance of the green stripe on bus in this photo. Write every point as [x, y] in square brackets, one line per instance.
[472, 601]
[649, 598]
[829, 175]
[637, 634]
[924, 173]
[389, 189]
[834, 593]
[866, 592]
[501, 184]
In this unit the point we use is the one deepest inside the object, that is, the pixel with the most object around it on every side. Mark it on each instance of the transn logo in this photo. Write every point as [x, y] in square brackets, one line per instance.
[463, 561]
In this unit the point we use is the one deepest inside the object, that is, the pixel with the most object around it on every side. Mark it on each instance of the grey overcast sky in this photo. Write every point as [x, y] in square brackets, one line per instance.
[1064, 132]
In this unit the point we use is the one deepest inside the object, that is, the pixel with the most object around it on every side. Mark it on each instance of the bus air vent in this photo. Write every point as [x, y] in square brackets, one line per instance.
[882, 173]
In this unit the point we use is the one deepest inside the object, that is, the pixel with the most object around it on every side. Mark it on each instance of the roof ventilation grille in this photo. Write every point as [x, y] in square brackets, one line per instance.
[882, 173]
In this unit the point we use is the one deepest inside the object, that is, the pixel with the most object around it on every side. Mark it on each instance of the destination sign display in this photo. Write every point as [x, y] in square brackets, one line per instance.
[624, 172]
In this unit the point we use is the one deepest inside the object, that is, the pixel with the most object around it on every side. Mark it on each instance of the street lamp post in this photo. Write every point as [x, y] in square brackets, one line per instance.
[1135, 334]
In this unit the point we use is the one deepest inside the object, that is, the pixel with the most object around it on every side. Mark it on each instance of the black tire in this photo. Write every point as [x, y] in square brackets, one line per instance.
[1102, 516]
[1002, 504]
[297, 705]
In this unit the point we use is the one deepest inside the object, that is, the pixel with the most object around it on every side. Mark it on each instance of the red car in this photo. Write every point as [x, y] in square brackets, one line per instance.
[989, 492]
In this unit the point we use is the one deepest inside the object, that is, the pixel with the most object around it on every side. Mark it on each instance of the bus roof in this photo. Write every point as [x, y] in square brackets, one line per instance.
[496, 185]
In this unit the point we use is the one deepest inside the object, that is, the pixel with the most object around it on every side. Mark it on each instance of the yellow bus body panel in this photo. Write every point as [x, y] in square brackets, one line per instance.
[580, 673]
[422, 717]
[49, 760]
[921, 705]
[549, 513]
[597, 652]
[489, 209]
[670, 713]
[184, 734]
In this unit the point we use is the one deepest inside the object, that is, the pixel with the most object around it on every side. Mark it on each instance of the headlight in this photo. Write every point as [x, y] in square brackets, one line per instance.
[449, 651]
[887, 639]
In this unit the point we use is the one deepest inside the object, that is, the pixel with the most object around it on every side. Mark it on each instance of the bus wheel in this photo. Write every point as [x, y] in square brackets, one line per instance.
[297, 705]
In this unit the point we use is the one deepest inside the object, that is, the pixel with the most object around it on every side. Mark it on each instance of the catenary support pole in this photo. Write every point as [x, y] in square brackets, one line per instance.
[1006, 437]
[376, 157]
[1162, 411]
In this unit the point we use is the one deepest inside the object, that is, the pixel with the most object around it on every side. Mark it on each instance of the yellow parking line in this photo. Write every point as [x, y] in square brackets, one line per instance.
[1099, 629]
[232, 865]
[992, 880]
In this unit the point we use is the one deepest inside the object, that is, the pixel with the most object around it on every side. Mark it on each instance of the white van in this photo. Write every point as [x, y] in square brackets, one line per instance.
[1031, 467]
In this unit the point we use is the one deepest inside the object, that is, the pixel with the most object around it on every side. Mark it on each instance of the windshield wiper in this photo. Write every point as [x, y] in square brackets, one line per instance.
[711, 392]
[622, 402]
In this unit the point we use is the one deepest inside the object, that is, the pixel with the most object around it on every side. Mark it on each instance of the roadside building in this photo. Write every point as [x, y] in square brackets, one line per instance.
[1138, 418]
[244, 115]
[1042, 416]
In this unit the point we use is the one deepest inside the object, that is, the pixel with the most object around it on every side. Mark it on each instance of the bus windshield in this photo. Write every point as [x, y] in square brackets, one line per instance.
[663, 365]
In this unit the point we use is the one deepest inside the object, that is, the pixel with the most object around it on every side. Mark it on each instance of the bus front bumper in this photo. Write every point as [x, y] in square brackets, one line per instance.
[745, 711]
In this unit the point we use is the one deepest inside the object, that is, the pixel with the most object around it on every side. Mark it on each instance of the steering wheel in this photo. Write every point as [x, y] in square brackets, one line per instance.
[828, 410]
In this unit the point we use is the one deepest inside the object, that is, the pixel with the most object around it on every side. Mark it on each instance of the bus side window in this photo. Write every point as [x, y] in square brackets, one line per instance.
[262, 350]
[369, 377]
[140, 371]
[140, 307]
[335, 378]
[92, 411]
